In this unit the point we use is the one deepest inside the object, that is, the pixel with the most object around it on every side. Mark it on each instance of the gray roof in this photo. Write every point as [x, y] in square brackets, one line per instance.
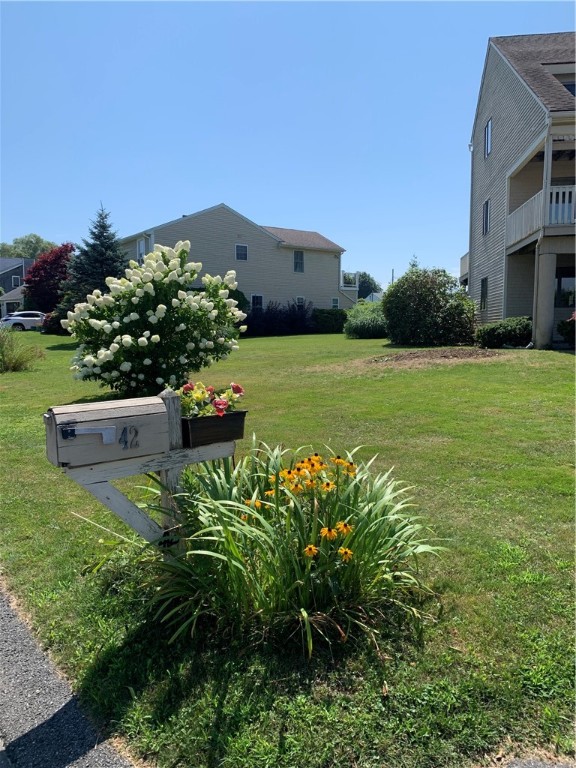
[527, 54]
[6, 264]
[300, 238]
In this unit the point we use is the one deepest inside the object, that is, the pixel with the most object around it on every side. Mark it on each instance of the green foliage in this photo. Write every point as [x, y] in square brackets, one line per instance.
[26, 247]
[45, 277]
[99, 258]
[279, 542]
[153, 328]
[367, 285]
[566, 329]
[426, 307]
[281, 319]
[366, 321]
[511, 332]
[15, 354]
[328, 320]
[53, 325]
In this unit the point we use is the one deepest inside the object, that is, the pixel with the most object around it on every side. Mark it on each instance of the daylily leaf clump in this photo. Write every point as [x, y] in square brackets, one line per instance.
[154, 326]
[281, 541]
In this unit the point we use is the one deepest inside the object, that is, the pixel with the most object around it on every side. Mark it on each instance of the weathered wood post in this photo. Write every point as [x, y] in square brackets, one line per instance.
[170, 478]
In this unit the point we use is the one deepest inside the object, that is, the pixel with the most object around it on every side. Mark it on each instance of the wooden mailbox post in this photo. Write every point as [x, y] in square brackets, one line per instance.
[100, 442]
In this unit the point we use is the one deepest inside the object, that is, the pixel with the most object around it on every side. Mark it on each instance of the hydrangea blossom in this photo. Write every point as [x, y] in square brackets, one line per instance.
[159, 313]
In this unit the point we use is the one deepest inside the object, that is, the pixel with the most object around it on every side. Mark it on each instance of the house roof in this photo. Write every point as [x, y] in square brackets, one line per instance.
[297, 238]
[16, 294]
[528, 54]
[300, 238]
[6, 264]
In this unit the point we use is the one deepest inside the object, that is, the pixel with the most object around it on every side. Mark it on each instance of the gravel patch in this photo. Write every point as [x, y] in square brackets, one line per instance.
[41, 723]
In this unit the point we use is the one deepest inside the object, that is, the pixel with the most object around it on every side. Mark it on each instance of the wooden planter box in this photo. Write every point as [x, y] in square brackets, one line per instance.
[203, 430]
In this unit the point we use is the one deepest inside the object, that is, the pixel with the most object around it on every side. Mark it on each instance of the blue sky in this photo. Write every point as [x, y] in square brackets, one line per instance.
[349, 118]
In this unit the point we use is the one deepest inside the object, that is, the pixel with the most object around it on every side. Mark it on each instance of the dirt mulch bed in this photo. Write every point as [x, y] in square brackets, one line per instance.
[419, 358]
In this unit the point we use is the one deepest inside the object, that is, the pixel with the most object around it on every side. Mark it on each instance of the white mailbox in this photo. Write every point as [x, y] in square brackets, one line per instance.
[80, 435]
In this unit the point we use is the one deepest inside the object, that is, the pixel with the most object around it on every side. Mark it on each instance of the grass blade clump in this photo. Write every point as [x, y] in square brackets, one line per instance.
[15, 353]
[286, 541]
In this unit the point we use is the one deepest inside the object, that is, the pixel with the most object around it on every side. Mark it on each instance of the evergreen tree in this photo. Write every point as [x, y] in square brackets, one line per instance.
[100, 257]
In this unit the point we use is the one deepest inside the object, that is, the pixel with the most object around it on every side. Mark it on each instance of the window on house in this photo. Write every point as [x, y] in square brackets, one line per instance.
[335, 303]
[241, 252]
[565, 286]
[300, 302]
[16, 281]
[488, 138]
[256, 301]
[140, 250]
[484, 293]
[298, 261]
[571, 87]
[486, 217]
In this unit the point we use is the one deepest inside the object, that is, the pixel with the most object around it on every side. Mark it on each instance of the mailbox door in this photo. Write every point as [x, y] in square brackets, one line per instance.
[80, 435]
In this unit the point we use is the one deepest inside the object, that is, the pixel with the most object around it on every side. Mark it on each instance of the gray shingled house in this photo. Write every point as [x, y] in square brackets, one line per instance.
[521, 252]
[271, 263]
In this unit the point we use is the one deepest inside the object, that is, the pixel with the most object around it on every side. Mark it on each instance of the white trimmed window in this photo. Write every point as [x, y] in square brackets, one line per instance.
[16, 281]
[241, 252]
[256, 301]
[300, 300]
[335, 303]
[143, 247]
[484, 293]
[298, 261]
[488, 138]
[486, 217]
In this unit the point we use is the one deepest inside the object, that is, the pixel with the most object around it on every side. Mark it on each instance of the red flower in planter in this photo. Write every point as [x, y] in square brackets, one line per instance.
[220, 405]
[237, 389]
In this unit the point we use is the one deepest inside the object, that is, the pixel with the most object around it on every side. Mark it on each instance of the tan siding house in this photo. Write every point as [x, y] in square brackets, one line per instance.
[521, 255]
[272, 264]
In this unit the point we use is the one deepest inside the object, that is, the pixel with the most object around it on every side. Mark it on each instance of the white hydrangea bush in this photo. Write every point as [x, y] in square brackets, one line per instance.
[153, 328]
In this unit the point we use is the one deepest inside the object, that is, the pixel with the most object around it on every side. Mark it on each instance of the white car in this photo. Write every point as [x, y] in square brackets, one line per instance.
[23, 321]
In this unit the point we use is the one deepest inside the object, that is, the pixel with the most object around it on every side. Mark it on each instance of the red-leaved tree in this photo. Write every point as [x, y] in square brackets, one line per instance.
[45, 277]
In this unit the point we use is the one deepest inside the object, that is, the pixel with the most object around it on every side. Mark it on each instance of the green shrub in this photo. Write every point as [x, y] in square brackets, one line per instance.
[511, 332]
[366, 321]
[280, 542]
[278, 319]
[15, 353]
[154, 328]
[52, 325]
[566, 329]
[328, 320]
[427, 307]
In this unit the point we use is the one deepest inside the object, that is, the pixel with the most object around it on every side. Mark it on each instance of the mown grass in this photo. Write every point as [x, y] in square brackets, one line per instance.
[488, 449]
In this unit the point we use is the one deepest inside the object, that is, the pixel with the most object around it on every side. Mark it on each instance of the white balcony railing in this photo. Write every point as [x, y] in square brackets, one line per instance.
[561, 208]
[528, 218]
[349, 281]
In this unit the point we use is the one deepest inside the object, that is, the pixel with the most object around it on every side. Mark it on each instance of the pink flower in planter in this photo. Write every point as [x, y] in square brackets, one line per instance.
[188, 387]
[236, 388]
[220, 405]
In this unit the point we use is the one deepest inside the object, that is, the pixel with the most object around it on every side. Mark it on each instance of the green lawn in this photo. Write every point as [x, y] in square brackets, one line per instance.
[488, 447]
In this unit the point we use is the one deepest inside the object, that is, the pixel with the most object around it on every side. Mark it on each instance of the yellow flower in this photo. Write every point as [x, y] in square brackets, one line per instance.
[297, 488]
[257, 503]
[344, 528]
[338, 460]
[345, 554]
[310, 550]
[244, 517]
[328, 486]
[269, 493]
[328, 533]
[350, 469]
